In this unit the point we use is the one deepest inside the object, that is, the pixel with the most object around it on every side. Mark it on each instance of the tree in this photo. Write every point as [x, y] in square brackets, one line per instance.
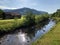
[30, 17]
[2, 14]
[56, 14]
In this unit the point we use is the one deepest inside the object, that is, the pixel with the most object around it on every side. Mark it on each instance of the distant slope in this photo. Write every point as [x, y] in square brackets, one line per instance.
[22, 11]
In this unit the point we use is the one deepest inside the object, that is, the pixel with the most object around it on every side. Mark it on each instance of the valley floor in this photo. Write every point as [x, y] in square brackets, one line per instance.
[50, 38]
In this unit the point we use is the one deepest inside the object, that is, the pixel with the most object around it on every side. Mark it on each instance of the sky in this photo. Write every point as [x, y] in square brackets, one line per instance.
[49, 6]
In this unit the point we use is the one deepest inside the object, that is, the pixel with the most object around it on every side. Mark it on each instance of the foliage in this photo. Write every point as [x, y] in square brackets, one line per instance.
[40, 18]
[30, 17]
[2, 14]
[56, 14]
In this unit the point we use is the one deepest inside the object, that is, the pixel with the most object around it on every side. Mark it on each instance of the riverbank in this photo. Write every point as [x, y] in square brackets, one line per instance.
[25, 21]
[52, 37]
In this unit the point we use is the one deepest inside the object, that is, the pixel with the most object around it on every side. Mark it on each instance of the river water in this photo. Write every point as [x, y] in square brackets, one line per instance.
[26, 36]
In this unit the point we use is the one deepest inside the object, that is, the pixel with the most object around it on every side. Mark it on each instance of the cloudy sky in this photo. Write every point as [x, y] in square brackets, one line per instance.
[42, 5]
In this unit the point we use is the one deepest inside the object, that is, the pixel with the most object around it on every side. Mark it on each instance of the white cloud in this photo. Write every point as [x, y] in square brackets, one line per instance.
[13, 4]
[3, 7]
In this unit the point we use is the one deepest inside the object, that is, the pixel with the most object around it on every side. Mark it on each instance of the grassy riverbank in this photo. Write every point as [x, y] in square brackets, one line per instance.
[12, 24]
[6, 25]
[52, 37]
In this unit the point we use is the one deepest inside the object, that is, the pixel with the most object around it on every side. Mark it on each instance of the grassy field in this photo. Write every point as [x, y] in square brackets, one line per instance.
[11, 24]
[50, 38]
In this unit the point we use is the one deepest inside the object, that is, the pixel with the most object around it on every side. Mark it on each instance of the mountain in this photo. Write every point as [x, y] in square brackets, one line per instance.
[22, 11]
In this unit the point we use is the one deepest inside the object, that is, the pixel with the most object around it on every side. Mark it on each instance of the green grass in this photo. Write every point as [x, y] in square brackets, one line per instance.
[50, 38]
[11, 24]
[6, 25]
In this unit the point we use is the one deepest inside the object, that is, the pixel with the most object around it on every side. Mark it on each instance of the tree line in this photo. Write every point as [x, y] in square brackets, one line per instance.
[56, 14]
[2, 14]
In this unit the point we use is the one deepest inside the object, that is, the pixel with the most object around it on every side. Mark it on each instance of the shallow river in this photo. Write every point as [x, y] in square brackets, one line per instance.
[26, 38]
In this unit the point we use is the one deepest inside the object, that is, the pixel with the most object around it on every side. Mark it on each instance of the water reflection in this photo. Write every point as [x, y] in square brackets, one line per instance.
[44, 30]
[23, 39]
[26, 35]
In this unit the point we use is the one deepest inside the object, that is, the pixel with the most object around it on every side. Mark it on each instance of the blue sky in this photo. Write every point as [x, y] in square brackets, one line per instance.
[41, 5]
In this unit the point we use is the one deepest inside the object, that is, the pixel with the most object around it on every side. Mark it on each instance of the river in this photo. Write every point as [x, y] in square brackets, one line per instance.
[26, 36]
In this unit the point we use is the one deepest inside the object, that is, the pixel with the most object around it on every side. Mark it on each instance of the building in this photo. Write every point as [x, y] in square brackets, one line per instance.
[9, 15]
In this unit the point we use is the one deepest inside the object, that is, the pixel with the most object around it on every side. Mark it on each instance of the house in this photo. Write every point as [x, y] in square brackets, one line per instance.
[9, 15]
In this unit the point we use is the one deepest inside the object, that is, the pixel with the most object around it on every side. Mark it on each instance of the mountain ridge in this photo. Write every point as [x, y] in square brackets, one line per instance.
[22, 11]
